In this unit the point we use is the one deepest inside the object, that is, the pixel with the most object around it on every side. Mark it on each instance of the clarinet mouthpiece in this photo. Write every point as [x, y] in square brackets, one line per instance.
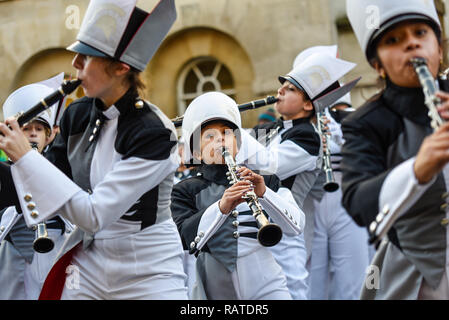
[69, 86]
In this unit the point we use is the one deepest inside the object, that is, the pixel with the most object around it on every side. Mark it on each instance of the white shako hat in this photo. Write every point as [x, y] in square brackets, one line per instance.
[303, 55]
[205, 108]
[120, 30]
[28, 96]
[371, 18]
[318, 74]
[332, 51]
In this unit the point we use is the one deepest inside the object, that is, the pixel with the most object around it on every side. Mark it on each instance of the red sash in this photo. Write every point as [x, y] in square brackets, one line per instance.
[54, 283]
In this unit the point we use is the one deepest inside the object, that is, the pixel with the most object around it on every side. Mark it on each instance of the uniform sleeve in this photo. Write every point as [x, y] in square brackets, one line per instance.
[363, 169]
[283, 210]
[195, 226]
[399, 193]
[8, 219]
[109, 200]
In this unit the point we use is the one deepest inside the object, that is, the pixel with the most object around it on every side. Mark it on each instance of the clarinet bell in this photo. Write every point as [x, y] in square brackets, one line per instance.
[330, 185]
[269, 235]
[42, 243]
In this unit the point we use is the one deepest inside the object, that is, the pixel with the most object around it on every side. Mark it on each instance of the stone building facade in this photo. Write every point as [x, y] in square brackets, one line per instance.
[239, 47]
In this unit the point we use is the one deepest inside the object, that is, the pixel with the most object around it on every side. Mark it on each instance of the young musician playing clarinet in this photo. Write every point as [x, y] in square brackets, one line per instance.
[214, 219]
[110, 170]
[340, 252]
[23, 269]
[294, 153]
[394, 166]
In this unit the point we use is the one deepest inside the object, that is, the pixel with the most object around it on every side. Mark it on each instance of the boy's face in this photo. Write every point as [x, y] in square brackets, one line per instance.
[213, 138]
[405, 41]
[35, 132]
[291, 103]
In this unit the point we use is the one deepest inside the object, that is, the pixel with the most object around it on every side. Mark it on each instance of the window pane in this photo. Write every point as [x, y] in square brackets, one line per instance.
[190, 82]
[208, 86]
[207, 67]
[225, 78]
[207, 71]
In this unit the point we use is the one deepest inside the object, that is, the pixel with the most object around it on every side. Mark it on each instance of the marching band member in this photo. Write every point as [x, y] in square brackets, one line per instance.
[340, 252]
[23, 270]
[215, 222]
[110, 170]
[393, 165]
[295, 146]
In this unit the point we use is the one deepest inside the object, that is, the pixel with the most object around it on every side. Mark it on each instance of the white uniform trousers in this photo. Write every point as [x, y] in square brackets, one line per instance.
[190, 270]
[145, 265]
[290, 254]
[341, 252]
[256, 276]
[36, 272]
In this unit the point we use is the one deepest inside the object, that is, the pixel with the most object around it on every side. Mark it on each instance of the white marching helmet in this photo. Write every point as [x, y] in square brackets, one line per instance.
[332, 51]
[27, 97]
[204, 108]
[303, 55]
[370, 18]
[317, 73]
[120, 30]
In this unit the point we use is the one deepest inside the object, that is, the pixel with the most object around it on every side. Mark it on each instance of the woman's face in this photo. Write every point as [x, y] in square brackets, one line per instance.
[405, 41]
[35, 132]
[291, 103]
[96, 81]
[213, 138]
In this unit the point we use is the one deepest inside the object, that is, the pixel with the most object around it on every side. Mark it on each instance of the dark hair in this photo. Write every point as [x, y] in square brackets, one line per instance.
[132, 77]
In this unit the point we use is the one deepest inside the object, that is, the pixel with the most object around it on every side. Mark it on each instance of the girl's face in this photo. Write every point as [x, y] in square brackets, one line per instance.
[213, 138]
[291, 104]
[405, 41]
[35, 132]
[96, 81]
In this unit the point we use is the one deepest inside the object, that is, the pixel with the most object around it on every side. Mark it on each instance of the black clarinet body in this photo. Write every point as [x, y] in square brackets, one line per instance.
[67, 87]
[177, 122]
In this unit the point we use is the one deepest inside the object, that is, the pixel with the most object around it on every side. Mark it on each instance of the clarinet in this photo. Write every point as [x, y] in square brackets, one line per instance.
[269, 234]
[431, 101]
[330, 185]
[42, 243]
[67, 87]
[428, 86]
[177, 122]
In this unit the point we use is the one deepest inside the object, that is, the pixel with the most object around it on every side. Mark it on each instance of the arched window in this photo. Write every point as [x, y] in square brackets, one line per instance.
[203, 75]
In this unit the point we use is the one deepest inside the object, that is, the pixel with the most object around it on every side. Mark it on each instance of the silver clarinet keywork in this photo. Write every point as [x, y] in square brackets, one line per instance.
[330, 185]
[429, 88]
[269, 233]
[42, 243]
